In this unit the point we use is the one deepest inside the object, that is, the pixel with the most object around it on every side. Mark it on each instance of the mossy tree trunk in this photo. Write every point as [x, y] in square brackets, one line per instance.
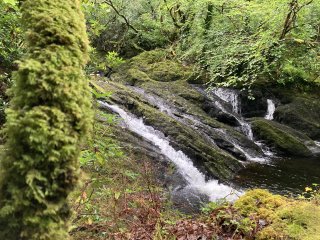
[48, 117]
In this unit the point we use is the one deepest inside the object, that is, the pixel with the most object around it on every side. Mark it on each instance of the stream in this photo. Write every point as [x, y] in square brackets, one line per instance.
[263, 167]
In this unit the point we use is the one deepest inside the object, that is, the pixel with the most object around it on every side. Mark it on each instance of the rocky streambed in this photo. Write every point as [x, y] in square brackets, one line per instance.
[216, 142]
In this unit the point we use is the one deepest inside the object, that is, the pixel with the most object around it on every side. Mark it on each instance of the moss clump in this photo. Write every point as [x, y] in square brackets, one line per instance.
[259, 202]
[168, 71]
[154, 65]
[48, 117]
[150, 57]
[135, 76]
[282, 218]
[281, 137]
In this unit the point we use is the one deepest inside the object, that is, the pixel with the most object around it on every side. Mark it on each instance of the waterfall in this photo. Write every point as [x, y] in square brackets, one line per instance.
[198, 125]
[193, 176]
[246, 129]
[271, 109]
[229, 96]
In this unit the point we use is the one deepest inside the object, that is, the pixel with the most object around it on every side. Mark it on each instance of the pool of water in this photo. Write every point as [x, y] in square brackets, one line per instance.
[286, 176]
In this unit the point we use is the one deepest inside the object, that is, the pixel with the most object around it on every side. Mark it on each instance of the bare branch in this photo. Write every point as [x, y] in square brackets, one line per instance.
[110, 3]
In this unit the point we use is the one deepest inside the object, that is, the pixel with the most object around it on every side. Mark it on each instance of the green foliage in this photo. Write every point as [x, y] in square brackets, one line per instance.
[11, 44]
[238, 43]
[48, 117]
[115, 25]
[11, 48]
[113, 60]
[244, 44]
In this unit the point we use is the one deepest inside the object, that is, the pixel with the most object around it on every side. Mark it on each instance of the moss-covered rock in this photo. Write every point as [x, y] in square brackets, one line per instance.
[282, 218]
[135, 76]
[157, 64]
[281, 137]
[302, 113]
[259, 202]
[208, 157]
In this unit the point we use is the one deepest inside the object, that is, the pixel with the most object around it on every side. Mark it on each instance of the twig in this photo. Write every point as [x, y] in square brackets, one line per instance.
[110, 3]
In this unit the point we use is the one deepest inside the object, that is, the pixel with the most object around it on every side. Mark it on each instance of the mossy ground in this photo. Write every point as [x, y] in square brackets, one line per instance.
[279, 217]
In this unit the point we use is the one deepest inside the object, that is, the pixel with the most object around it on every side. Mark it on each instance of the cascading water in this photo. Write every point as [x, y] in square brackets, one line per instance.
[229, 96]
[194, 177]
[200, 126]
[271, 110]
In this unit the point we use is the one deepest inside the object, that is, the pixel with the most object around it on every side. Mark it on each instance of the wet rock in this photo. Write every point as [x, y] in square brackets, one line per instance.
[188, 200]
[302, 114]
[227, 146]
[253, 105]
[211, 109]
[281, 137]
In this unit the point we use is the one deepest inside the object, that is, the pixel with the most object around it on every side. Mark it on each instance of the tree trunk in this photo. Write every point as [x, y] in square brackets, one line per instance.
[48, 117]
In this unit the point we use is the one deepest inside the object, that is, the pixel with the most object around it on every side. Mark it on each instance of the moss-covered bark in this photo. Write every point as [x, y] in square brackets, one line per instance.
[48, 117]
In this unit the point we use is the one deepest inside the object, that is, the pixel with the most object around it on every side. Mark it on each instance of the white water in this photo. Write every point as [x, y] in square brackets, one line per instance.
[266, 150]
[245, 127]
[229, 96]
[196, 179]
[317, 143]
[271, 109]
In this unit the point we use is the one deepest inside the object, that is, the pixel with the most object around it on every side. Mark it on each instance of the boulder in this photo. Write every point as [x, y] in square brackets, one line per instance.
[281, 137]
[302, 114]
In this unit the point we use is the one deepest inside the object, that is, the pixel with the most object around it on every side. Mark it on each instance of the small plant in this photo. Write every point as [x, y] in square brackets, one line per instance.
[311, 193]
[113, 60]
[213, 206]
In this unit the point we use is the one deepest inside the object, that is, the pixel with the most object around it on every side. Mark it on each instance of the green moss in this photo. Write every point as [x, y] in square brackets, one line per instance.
[281, 137]
[301, 220]
[156, 65]
[260, 203]
[150, 57]
[284, 218]
[168, 71]
[135, 76]
[48, 117]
